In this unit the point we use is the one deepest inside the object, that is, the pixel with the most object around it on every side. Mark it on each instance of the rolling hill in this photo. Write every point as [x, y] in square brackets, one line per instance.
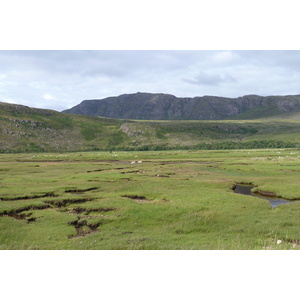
[25, 129]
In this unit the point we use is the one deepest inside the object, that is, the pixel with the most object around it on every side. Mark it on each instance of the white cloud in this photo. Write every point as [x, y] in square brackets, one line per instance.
[48, 96]
[224, 56]
[7, 100]
[2, 76]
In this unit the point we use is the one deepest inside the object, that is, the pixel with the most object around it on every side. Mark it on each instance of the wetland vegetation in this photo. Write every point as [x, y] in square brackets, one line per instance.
[149, 200]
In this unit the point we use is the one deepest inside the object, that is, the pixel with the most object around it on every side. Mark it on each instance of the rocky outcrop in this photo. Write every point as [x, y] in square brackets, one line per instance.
[146, 106]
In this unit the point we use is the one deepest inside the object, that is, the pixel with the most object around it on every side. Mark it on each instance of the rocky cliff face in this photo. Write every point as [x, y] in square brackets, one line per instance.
[146, 106]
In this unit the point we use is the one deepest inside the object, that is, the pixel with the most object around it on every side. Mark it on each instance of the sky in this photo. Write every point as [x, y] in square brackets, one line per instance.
[60, 79]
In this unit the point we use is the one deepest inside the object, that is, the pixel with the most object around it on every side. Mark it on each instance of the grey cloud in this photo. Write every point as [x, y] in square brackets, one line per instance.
[214, 79]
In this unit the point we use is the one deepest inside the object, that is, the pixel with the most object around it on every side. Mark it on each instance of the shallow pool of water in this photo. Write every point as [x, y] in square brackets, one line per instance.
[246, 190]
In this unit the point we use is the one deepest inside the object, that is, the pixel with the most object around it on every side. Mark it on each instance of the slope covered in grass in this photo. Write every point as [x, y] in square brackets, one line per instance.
[24, 129]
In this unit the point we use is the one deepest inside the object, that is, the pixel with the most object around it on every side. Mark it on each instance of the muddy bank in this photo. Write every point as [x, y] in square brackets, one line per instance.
[135, 197]
[87, 211]
[65, 202]
[19, 214]
[75, 190]
[45, 195]
[80, 228]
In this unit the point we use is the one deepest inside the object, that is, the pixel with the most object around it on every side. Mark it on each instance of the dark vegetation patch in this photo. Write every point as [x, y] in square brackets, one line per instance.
[228, 145]
[45, 195]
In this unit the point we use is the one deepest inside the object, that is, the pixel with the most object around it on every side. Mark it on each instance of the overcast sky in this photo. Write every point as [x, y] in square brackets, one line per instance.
[61, 79]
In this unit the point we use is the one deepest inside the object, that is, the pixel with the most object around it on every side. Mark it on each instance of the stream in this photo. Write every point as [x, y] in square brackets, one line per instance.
[246, 190]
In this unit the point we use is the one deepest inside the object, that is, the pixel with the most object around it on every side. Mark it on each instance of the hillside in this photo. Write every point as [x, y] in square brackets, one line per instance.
[29, 129]
[146, 106]
[25, 129]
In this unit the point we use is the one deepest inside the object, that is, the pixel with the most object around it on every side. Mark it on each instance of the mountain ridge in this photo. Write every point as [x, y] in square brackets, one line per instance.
[159, 106]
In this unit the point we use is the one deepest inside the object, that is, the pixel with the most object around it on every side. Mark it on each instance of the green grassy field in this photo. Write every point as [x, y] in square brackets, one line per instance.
[164, 200]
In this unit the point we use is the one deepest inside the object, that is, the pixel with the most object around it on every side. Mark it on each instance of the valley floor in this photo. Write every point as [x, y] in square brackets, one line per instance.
[149, 200]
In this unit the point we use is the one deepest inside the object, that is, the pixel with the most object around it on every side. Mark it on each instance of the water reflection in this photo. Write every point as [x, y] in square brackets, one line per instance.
[246, 190]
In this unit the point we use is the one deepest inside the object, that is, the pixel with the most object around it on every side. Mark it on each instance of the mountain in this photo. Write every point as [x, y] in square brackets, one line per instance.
[146, 106]
[25, 129]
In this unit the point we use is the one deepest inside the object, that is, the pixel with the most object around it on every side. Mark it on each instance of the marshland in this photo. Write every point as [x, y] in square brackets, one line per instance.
[182, 199]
